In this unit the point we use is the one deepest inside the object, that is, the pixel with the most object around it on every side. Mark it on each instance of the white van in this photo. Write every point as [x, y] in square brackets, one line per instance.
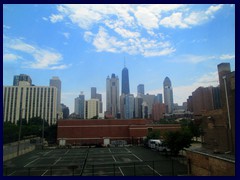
[161, 147]
[153, 143]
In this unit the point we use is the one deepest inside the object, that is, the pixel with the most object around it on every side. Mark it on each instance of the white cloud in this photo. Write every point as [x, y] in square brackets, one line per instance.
[146, 18]
[126, 33]
[42, 58]
[6, 27]
[132, 22]
[56, 18]
[212, 9]
[88, 36]
[197, 18]
[66, 35]
[45, 19]
[11, 57]
[227, 57]
[173, 21]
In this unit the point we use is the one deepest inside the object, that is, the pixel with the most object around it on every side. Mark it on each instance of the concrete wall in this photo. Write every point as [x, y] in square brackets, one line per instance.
[207, 165]
[10, 150]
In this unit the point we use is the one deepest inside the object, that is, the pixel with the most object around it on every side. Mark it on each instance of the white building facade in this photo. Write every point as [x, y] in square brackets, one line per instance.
[29, 101]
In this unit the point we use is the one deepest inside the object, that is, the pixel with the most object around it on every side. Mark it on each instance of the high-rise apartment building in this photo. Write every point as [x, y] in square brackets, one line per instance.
[168, 94]
[91, 108]
[29, 101]
[79, 106]
[125, 81]
[140, 89]
[112, 96]
[21, 77]
[56, 82]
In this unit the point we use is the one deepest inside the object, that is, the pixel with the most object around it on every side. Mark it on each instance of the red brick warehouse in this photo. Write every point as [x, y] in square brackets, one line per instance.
[85, 132]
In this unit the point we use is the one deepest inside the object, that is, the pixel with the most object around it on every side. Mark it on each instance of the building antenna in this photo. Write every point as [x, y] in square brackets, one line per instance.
[124, 62]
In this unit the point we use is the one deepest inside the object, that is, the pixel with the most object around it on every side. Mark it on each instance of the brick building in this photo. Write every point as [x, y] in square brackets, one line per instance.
[84, 132]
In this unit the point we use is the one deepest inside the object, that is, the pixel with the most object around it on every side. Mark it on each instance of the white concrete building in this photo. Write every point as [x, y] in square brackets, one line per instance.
[29, 101]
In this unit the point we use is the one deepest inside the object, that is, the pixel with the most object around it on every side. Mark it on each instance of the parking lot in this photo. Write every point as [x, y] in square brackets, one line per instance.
[85, 161]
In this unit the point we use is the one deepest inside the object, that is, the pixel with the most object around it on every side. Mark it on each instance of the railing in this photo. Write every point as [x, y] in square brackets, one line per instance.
[145, 168]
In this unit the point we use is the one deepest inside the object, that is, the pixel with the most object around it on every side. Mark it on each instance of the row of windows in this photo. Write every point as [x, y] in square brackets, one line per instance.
[37, 101]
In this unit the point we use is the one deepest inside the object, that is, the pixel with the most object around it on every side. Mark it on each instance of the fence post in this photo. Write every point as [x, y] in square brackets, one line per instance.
[51, 170]
[73, 170]
[172, 167]
[6, 171]
[134, 169]
[93, 170]
[114, 169]
[189, 167]
[153, 168]
[29, 171]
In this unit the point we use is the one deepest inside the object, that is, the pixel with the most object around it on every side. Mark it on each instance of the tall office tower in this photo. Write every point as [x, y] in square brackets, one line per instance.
[21, 77]
[129, 106]
[138, 107]
[168, 94]
[93, 92]
[149, 99]
[125, 81]
[140, 89]
[95, 95]
[28, 101]
[145, 110]
[91, 108]
[56, 82]
[112, 96]
[65, 111]
[122, 103]
[79, 105]
[158, 99]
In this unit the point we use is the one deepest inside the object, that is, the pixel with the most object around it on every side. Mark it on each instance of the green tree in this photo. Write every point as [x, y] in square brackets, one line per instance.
[178, 140]
[153, 134]
[10, 132]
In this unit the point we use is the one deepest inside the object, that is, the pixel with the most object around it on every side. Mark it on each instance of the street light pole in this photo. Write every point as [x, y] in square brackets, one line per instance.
[42, 133]
[19, 132]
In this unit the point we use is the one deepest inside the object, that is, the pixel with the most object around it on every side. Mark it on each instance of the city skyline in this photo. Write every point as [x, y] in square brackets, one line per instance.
[84, 44]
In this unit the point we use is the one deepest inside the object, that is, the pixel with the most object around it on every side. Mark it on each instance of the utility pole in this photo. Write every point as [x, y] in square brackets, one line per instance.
[42, 133]
[19, 132]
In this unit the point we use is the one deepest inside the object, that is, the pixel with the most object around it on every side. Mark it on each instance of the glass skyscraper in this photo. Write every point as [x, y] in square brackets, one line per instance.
[168, 94]
[125, 81]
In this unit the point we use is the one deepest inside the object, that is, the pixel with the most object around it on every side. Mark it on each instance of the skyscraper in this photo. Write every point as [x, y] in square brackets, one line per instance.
[112, 96]
[21, 77]
[168, 94]
[79, 106]
[140, 89]
[56, 82]
[129, 106]
[125, 81]
[93, 92]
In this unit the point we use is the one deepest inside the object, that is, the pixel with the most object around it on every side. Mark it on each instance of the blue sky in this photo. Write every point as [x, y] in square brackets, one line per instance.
[83, 44]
